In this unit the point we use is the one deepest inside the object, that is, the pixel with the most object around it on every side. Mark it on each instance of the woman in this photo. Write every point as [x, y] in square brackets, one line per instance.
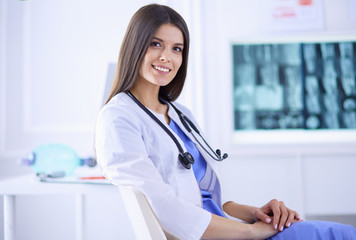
[142, 139]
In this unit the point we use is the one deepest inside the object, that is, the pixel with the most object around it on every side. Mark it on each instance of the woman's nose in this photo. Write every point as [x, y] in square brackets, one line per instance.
[165, 56]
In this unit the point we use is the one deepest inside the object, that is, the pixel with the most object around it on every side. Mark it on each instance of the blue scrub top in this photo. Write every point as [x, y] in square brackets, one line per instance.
[199, 168]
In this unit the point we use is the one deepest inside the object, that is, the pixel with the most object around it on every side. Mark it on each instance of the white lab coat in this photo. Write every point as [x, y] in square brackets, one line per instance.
[133, 149]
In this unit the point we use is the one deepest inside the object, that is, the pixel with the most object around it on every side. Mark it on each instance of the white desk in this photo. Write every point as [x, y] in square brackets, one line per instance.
[29, 185]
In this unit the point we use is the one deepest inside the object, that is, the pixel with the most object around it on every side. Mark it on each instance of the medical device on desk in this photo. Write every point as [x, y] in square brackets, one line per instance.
[185, 158]
[55, 160]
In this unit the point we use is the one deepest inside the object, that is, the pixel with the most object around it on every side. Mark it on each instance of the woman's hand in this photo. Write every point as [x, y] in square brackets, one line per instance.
[277, 213]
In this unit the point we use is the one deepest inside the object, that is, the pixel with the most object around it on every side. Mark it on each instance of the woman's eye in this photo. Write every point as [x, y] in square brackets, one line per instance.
[155, 44]
[177, 49]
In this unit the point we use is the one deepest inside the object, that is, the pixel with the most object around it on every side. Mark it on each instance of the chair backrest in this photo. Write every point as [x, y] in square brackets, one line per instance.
[143, 220]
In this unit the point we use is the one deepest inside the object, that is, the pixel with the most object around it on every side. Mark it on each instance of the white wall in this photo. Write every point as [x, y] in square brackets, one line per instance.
[53, 62]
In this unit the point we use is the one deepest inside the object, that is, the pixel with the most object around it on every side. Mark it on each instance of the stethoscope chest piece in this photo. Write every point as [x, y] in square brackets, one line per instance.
[186, 159]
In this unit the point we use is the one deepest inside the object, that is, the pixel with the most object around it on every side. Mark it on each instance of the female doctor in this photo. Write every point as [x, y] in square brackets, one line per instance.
[145, 140]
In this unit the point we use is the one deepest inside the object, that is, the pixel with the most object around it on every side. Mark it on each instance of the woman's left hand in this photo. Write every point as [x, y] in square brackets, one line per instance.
[276, 212]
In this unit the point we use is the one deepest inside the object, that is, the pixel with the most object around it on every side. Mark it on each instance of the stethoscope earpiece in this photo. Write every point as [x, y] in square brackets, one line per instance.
[218, 153]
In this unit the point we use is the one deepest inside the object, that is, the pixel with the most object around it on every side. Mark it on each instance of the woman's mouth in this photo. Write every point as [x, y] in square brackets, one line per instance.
[161, 69]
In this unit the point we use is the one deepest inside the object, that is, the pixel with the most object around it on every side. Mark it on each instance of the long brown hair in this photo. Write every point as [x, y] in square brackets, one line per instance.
[138, 36]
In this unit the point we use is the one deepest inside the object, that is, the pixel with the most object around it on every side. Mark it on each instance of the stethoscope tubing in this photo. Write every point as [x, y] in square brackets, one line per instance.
[156, 120]
[186, 121]
[188, 125]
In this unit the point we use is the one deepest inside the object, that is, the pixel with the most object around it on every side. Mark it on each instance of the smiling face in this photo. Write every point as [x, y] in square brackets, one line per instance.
[163, 57]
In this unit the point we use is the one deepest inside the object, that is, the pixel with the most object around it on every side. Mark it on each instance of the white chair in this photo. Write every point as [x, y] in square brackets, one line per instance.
[143, 220]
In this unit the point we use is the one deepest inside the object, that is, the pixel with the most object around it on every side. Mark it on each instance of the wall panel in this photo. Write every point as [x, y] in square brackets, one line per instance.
[257, 180]
[330, 184]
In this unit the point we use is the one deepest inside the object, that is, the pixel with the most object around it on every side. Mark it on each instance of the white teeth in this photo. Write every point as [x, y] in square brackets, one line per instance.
[161, 69]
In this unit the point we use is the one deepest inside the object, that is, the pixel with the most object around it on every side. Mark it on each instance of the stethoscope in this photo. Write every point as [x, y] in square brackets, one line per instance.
[185, 158]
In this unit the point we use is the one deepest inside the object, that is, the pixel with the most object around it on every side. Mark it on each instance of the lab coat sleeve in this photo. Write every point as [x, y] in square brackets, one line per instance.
[122, 155]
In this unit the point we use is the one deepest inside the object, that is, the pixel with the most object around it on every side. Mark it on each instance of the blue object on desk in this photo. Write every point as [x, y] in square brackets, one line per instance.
[55, 158]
